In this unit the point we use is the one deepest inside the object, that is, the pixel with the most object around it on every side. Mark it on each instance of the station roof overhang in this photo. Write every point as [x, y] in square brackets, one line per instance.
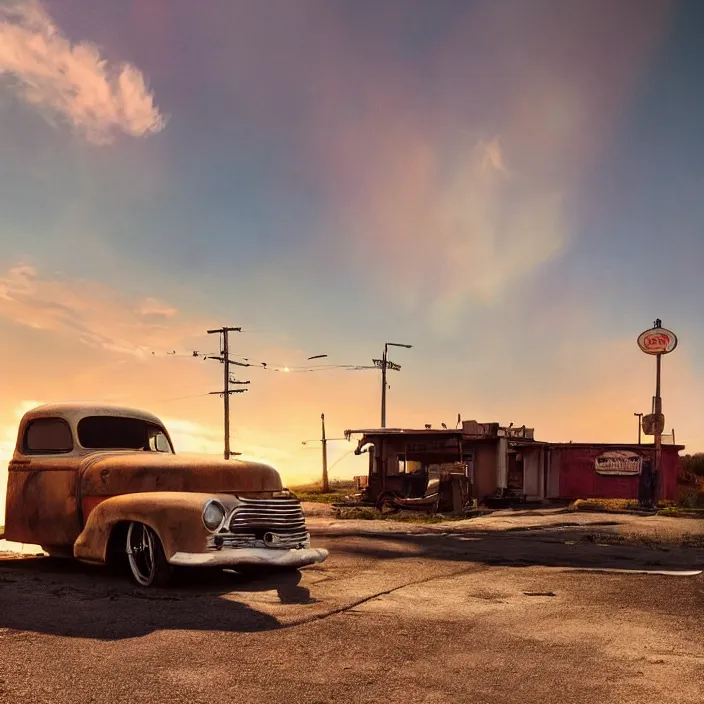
[454, 439]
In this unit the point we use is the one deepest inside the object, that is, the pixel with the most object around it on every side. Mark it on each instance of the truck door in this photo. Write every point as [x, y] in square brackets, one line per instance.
[41, 505]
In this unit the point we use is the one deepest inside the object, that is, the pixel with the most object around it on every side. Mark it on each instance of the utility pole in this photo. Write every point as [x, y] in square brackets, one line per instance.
[326, 485]
[385, 364]
[640, 428]
[324, 440]
[226, 362]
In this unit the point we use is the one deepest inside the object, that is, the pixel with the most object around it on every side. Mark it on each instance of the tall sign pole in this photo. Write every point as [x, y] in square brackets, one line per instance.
[657, 341]
[657, 410]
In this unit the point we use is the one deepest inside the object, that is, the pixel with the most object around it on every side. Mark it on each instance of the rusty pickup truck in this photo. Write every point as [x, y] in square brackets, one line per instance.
[103, 484]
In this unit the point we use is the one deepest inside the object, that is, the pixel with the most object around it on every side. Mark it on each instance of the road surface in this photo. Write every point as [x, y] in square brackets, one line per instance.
[390, 617]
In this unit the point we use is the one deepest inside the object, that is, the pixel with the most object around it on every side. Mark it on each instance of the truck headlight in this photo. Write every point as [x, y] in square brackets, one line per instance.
[213, 515]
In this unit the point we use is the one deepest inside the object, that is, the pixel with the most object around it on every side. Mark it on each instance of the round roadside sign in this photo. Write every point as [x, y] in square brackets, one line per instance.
[657, 341]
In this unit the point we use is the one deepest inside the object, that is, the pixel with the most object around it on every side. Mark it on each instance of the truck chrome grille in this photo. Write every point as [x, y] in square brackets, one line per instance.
[274, 523]
[267, 513]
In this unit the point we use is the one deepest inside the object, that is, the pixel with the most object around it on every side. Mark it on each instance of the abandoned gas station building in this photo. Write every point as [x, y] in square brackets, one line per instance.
[498, 460]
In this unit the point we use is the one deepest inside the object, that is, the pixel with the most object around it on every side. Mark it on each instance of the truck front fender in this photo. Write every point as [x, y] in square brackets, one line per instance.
[176, 518]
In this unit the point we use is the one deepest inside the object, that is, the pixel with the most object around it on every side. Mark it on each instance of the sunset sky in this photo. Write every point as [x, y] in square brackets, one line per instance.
[514, 188]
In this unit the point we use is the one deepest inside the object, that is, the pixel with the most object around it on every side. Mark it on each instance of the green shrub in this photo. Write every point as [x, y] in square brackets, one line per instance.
[693, 464]
[691, 498]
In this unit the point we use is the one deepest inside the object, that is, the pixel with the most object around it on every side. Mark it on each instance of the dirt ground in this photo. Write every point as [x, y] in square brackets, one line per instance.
[629, 528]
[397, 613]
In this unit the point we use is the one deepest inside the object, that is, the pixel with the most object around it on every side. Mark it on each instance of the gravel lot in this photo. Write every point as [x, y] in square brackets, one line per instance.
[398, 613]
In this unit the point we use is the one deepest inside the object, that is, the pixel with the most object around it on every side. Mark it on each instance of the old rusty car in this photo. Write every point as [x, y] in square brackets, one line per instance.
[103, 484]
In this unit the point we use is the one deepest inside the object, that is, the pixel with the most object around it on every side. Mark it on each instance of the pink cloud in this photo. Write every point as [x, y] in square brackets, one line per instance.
[72, 82]
[448, 186]
[152, 307]
[92, 314]
[445, 179]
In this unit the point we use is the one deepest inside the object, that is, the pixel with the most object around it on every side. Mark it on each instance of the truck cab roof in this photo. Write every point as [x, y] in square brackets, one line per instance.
[73, 412]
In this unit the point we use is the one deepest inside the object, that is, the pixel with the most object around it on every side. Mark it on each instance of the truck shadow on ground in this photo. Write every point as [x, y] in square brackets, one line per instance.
[68, 598]
[563, 548]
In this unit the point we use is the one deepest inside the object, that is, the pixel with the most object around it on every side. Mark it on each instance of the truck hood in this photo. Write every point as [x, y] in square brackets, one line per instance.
[113, 473]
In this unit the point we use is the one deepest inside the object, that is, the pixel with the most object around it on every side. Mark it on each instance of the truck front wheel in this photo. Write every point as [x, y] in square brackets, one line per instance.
[145, 555]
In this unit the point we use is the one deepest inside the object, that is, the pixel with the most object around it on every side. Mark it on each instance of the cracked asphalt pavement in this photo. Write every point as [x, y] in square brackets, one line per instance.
[391, 616]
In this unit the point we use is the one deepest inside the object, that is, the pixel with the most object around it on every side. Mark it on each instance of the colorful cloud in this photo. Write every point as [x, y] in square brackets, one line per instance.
[91, 314]
[72, 82]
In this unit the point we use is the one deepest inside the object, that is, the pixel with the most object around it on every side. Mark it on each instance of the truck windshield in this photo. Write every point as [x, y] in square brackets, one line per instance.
[116, 433]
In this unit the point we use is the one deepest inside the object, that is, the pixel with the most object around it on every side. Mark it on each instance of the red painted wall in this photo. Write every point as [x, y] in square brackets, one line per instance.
[579, 480]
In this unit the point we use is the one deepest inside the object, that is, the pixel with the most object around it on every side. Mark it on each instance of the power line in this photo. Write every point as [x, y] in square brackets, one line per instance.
[195, 386]
[294, 369]
[342, 457]
[239, 360]
[180, 398]
[177, 355]
[123, 398]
